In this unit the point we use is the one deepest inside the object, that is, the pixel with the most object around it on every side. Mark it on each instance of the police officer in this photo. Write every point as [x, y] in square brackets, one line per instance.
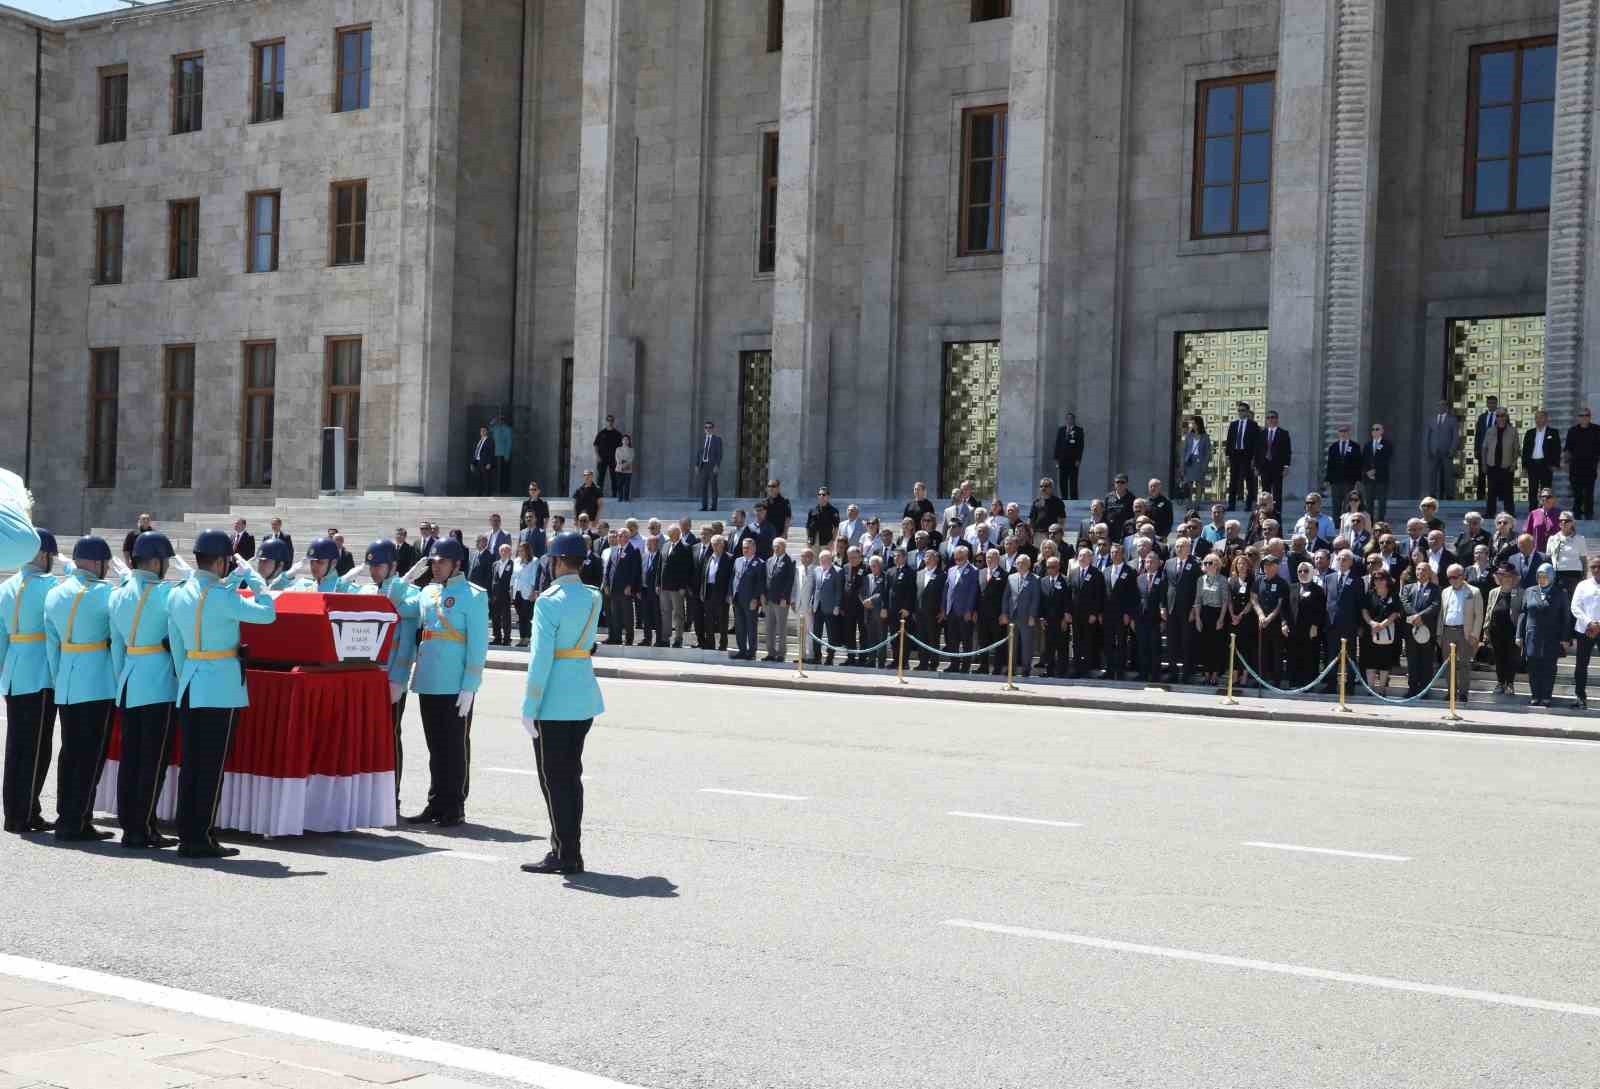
[145, 685]
[453, 617]
[323, 558]
[77, 615]
[381, 559]
[561, 698]
[26, 681]
[274, 561]
[203, 618]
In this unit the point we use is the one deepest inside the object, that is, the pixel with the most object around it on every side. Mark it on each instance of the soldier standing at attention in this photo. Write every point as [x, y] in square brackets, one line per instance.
[203, 618]
[323, 557]
[381, 559]
[274, 563]
[145, 687]
[77, 614]
[561, 698]
[453, 616]
[25, 680]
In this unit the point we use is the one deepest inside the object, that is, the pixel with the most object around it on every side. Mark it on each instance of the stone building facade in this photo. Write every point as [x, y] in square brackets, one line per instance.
[875, 240]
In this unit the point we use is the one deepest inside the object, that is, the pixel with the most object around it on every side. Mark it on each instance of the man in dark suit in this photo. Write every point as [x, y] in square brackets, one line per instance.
[1484, 422]
[747, 589]
[500, 598]
[780, 597]
[405, 553]
[960, 608]
[677, 585]
[497, 535]
[991, 604]
[648, 606]
[707, 460]
[1421, 602]
[900, 598]
[621, 583]
[481, 573]
[853, 613]
[1182, 578]
[1244, 435]
[929, 588]
[1582, 451]
[1119, 508]
[1122, 603]
[278, 534]
[1271, 606]
[713, 581]
[1541, 455]
[1376, 456]
[244, 545]
[483, 463]
[1346, 594]
[1087, 588]
[1344, 467]
[1149, 618]
[1273, 454]
[1054, 604]
[1069, 455]
[427, 534]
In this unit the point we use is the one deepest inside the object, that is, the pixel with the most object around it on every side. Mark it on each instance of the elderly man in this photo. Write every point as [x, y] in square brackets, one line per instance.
[1020, 612]
[747, 591]
[1439, 556]
[874, 610]
[827, 606]
[1314, 523]
[930, 609]
[1472, 535]
[780, 592]
[1345, 598]
[676, 584]
[960, 608]
[648, 603]
[1460, 625]
[805, 573]
[1421, 602]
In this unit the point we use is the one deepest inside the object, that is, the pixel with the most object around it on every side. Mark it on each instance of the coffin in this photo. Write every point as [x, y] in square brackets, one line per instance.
[325, 630]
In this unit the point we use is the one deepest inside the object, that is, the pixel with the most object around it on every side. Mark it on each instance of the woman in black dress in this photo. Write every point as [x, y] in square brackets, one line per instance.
[1380, 637]
[1242, 619]
[1503, 610]
[1306, 621]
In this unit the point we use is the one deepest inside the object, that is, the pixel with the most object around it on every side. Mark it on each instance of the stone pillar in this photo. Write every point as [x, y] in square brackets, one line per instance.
[1029, 306]
[685, 328]
[1357, 98]
[528, 454]
[604, 357]
[801, 329]
[1572, 284]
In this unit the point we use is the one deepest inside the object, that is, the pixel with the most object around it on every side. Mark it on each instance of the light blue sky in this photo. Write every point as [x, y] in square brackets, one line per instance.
[65, 9]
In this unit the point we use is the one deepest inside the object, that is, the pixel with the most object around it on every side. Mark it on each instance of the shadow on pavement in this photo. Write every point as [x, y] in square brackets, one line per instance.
[243, 867]
[484, 833]
[625, 888]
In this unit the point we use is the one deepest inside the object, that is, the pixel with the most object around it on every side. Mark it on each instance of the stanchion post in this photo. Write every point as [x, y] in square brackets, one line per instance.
[1452, 716]
[1011, 657]
[900, 669]
[1233, 651]
[800, 659]
[1344, 674]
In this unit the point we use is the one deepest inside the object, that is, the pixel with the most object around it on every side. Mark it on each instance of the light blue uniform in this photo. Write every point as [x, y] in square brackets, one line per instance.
[77, 614]
[145, 676]
[454, 620]
[405, 636]
[204, 616]
[566, 617]
[24, 662]
[280, 582]
[18, 541]
[331, 583]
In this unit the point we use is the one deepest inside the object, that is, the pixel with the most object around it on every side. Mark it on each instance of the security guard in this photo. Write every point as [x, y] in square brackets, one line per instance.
[561, 698]
[146, 687]
[274, 562]
[19, 541]
[323, 556]
[203, 618]
[26, 681]
[381, 557]
[77, 616]
[453, 616]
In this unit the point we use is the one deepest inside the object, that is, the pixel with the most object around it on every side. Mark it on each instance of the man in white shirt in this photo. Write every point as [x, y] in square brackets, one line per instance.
[1586, 625]
[1460, 625]
[805, 571]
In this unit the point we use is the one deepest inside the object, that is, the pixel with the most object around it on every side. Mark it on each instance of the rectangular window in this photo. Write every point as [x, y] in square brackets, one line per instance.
[774, 26]
[268, 105]
[983, 180]
[261, 253]
[984, 10]
[188, 92]
[183, 241]
[113, 104]
[767, 247]
[1510, 127]
[260, 377]
[342, 400]
[103, 417]
[352, 87]
[177, 429]
[349, 242]
[1233, 156]
[108, 245]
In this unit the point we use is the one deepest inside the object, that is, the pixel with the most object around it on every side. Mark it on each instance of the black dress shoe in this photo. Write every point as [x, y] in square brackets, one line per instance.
[209, 850]
[91, 832]
[427, 816]
[135, 843]
[158, 841]
[452, 821]
[551, 864]
[39, 824]
[677, 644]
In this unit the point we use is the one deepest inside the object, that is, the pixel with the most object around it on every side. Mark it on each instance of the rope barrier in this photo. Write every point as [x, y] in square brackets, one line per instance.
[996, 645]
[852, 650]
[1320, 677]
[1409, 699]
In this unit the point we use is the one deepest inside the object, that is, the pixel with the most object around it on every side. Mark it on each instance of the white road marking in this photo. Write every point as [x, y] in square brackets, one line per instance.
[1493, 998]
[753, 794]
[416, 1048]
[1014, 820]
[1326, 851]
[468, 855]
[515, 771]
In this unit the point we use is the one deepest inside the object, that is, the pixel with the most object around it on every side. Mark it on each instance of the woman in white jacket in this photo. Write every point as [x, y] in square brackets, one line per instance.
[523, 575]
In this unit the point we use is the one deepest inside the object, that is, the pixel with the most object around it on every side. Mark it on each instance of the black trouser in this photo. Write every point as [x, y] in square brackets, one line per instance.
[1241, 479]
[601, 466]
[852, 629]
[1541, 678]
[620, 629]
[958, 638]
[622, 486]
[558, 753]
[1582, 493]
[207, 733]
[925, 627]
[85, 732]
[1541, 474]
[485, 474]
[1116, 638]
[989, 631]
[1507, 659]
[503, 462]
[1057, 650]
[524, 607]
[1303, 660]
[1085, 645]
[1270, 664]
[1272, 481]
[449, 754]
[147, 736]
[1068, 473]
[1422, 662]
[500, 617]
[1499, 484]
[1580, 669]
[1147, 653]
[713, 626]
[30, 738]
[1180, 645]
[398, 711]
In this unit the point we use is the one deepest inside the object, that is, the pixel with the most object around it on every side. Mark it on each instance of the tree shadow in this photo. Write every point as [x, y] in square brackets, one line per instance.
[623, 887]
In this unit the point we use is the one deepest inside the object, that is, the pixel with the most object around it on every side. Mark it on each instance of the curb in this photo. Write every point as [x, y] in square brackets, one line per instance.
[834, 681]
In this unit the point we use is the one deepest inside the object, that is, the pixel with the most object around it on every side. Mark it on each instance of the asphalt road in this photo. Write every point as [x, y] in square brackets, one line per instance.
[817, 929]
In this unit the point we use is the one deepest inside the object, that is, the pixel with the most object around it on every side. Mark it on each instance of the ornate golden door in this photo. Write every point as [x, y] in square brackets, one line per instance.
[1216, 371]
[755, 416]
[1499, 356]
[969, 415]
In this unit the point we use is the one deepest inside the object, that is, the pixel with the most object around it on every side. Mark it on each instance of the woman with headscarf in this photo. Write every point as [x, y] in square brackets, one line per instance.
[1540, 628]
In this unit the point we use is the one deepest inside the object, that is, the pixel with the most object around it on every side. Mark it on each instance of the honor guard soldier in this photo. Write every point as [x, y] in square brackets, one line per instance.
[77, 615]
[323, 557]
[146, 686]
[203, 618]
[25, 679]
[19, 542]
[561, 699]
[381, 558]
[273, 562]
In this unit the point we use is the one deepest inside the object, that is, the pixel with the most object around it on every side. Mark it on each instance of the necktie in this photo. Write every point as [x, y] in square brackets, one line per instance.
[1240, 426]
[705, 455]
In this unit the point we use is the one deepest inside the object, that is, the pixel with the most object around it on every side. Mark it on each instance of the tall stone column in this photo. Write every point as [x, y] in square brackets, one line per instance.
[1572, 285]
[691, 90]
[604, 357]
[1029, 306]
[801, 329]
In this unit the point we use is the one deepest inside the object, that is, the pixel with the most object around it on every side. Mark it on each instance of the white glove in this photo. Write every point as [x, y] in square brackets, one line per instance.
[67, 566]
[118, 568]
[298, 565]
[464, 704]
[181, 564]
[14, 492]
[531, 725]
[397, 691]
[418, 568]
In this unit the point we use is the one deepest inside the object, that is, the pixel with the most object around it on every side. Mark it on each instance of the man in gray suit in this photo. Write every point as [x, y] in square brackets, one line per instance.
[1441, 437]
[874, 600]
[780, 591]
[827, 619]
[707, 460]
[1022, 610]
[747, 591]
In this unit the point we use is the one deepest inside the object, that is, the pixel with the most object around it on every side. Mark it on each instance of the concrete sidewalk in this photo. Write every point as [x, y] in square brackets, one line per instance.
[52, 1036]
[1130, 697]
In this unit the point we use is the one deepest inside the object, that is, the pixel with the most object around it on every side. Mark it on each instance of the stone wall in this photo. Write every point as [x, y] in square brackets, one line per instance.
[17, 53]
